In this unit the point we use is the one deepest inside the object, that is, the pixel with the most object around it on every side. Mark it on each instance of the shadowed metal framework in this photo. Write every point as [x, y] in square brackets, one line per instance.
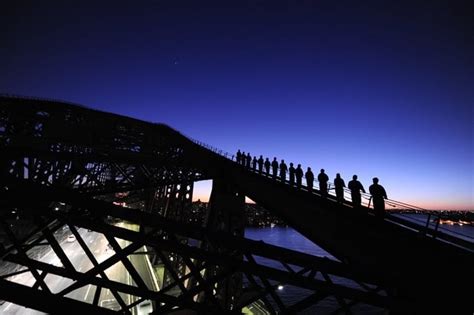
[65, 167]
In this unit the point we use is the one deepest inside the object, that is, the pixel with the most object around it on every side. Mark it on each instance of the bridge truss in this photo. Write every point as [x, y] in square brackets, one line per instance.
[128, 182]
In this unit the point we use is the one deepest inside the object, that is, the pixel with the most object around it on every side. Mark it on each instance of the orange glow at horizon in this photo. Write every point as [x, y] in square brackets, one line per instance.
[202, 192]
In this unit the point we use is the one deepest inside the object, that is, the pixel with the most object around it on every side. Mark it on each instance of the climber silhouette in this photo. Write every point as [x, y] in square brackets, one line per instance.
[292, 174]
[260, 164]
[378, 195]
[283, 169]
[323, 183]
[355, 186]
[274, 168]
[309, 179]
[267, 166]
[299, 176]
[339, 184]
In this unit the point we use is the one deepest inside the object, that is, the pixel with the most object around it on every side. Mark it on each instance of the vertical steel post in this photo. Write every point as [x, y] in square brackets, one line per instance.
[226, 212]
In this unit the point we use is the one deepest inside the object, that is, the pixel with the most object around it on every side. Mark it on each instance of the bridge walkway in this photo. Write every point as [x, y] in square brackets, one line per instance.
[425, 264]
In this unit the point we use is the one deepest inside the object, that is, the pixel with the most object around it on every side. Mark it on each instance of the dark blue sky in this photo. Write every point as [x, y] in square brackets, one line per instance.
[380, 88]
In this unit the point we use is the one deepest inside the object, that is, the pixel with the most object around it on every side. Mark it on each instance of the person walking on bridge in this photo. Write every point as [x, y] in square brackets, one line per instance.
[309, 179]
[378, 195]
[267, 166]
[323, 183]
[339, 185]
[292, 174]
[249, 159]
[260, 164]
[274, 168]
[355, 186]
[299, 176]
[254, 163]
[283, 169]
[243, 159]
[238, 157]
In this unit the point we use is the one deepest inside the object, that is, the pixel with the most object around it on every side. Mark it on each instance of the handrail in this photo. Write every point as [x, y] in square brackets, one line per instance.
[423, 227]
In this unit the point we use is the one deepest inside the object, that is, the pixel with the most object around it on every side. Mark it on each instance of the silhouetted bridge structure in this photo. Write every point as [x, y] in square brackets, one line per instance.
[130, 183]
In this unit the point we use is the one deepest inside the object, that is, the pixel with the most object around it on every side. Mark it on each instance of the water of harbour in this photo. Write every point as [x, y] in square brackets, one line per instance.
[289, 238]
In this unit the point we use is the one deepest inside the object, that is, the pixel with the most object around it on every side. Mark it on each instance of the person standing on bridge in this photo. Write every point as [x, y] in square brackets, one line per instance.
[309, 179]
[267, 166]
[260, 164]
[378, 195]
[323, 183]
[283, 169]
[243, 159]
[254, 163]
[274, 168]
[299, 176]
[238, 157]
[339, 184]
[355, 186]
[292, 174]
[249, 159]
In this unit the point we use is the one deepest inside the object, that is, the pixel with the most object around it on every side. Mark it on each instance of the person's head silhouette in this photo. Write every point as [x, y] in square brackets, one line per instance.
[375, 180]
[354, 177]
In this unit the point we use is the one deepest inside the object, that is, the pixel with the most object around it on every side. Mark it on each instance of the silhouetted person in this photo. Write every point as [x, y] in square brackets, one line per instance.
[274, 168]
[292, 174]
[283, 169]
[323, 183]
[254, 163]
[355, 186]
[299, 176]
[249, 159]
[243, 159]
[238, 157]
[309, 179]
[378, 195]
[260, 164]
[267, 166]
[339, 184]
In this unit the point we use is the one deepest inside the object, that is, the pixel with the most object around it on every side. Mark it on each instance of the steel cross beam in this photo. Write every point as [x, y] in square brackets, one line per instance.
[164, 238]
[87, 150]
[46, 302]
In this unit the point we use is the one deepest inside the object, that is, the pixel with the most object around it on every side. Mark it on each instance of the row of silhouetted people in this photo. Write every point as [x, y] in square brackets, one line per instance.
[295, 176]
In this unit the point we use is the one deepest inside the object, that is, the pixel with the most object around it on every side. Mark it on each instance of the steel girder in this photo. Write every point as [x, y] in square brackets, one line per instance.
[91, 151]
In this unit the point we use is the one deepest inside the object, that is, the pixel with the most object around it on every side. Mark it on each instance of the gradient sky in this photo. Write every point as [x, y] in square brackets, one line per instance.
[383, 88]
